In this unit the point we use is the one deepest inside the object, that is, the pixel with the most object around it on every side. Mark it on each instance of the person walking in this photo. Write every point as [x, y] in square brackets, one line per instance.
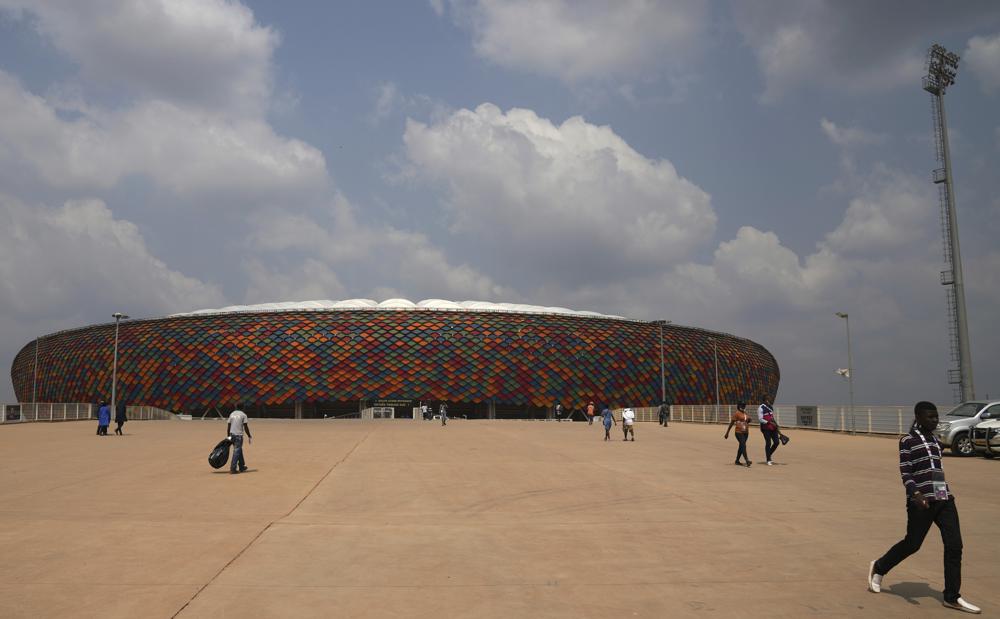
[103, 419]
[590, 413]
[120, 418]
[769, 428]
[929, 500]
[443, 410]
[628, 423]
[238, 425]
[608, 418]
[664, 414]
[741, 420]
[558, 412]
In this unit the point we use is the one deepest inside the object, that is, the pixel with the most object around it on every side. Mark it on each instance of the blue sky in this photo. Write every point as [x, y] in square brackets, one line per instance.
[749, 167]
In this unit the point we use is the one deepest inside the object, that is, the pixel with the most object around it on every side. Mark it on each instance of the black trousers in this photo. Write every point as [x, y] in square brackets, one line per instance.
[741, 438]
[771, 442]
[118, 428]
[918, 522]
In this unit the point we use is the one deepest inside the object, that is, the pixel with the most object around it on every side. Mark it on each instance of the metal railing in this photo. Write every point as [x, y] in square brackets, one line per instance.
[73, 411]
[865, 420]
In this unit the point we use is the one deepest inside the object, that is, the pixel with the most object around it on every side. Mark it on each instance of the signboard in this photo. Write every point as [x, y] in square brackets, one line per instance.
[806, 416]
[383, 412]
[12, 413]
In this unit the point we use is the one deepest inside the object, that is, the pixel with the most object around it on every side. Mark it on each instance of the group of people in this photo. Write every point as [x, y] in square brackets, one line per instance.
[104, 418]
[768, 427]
[929, 499]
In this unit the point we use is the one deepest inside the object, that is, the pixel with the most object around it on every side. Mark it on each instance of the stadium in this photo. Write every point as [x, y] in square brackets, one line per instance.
[327, 359]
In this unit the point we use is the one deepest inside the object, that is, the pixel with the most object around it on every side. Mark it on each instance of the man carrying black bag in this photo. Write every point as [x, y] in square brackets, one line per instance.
[238, 424]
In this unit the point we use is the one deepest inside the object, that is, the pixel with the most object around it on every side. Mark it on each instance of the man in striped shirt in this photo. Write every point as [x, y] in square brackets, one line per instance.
[928, 501]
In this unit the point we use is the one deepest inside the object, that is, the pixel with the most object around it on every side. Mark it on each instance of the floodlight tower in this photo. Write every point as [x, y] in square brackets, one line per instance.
[942, 66]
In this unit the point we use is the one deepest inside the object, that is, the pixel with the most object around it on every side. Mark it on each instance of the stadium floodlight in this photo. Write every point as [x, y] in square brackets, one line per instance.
[118, 316]
[942, 67]
[849, 372]
[715, 355]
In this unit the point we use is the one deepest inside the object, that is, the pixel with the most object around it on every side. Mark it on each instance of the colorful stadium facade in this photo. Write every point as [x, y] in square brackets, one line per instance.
[323, 358]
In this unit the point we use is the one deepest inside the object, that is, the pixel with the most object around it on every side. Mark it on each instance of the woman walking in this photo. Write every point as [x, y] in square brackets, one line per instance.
[742, 422]
[120, 418]
[609, 418]
[769, 428]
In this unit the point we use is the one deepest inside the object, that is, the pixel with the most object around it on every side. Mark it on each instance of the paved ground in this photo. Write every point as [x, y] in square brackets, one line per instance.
[478, 519]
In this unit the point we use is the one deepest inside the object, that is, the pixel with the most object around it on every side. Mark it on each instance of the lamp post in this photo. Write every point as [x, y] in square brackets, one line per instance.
[850, 365]
[34, 376]
[114, 363]
[663, 381]
[715, 355]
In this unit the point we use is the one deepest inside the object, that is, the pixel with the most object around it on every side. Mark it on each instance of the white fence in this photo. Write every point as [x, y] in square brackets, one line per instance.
[865, 419]
[71, 411]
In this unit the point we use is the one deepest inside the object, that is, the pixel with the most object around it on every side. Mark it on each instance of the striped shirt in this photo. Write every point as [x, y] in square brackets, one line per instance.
[917, 458]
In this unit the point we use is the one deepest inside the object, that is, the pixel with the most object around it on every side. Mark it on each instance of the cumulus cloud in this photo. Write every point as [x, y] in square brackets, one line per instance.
[344, 253]
[850, 136]
[183, 149]
[56, 260]
[982, 56]
[581, 40]
[208, 53]
[891, 210]
[573, 200]
[847, 46]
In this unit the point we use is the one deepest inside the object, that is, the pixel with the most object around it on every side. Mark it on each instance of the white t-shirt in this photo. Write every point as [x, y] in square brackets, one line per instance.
[628, 416]
[236, 420]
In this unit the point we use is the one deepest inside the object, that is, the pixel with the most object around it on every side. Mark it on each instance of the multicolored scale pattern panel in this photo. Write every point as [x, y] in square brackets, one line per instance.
[189, 363]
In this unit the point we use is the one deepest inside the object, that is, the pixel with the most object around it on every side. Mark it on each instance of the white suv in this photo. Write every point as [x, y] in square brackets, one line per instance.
[986, 434]
[955, 428]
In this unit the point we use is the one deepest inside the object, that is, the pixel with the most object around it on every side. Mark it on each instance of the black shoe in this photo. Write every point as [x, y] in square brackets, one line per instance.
[233, 472]
[243, 470]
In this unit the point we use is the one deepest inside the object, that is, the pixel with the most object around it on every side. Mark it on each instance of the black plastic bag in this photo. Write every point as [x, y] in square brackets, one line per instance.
[784, 439]
[220, 455]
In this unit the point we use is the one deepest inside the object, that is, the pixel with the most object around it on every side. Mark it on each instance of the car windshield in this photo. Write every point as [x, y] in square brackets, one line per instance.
[966, 409]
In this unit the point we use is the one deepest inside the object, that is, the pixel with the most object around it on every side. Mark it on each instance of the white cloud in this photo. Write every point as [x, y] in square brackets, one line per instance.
[182, 149]
[378, 258]
[55, 261]
[582, 39]
[982, 56]
[850, 136]
[891, 209]
[572, 200]
[852, 47]
[208, 53]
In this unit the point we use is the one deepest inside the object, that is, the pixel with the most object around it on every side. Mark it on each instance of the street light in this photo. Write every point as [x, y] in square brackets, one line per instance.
[663, 382]
[715, 354]
[34, 376]
[114, 363]
[850, 365]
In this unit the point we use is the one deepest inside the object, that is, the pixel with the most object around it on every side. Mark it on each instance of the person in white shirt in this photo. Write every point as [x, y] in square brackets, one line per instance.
[238, 425]
[628, 423]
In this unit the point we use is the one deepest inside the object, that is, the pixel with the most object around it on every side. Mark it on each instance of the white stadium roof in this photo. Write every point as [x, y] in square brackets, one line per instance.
[397, 304]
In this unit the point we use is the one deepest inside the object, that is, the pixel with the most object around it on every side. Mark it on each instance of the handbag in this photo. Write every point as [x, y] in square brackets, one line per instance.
[784, 439]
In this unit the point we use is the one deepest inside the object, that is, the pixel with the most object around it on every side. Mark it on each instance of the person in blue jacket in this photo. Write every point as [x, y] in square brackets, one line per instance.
[103, 419]
[609, 418]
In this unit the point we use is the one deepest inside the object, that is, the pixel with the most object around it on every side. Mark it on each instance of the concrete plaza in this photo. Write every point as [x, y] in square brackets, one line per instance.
[476, 519]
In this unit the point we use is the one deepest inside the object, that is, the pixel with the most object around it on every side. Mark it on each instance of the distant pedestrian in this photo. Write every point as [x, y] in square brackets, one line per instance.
[664, 414]
[590, 413]
[628, 423]
[424, 411]
[120, 418]
[103, 419]
[929, 501]
[558, 411]
[609, 418]
[741, 420]
[443, 411]
[769, 428]
[238, 425]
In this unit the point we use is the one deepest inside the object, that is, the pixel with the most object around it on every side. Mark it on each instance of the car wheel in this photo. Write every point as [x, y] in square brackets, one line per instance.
[962, 445]
[988, 455]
